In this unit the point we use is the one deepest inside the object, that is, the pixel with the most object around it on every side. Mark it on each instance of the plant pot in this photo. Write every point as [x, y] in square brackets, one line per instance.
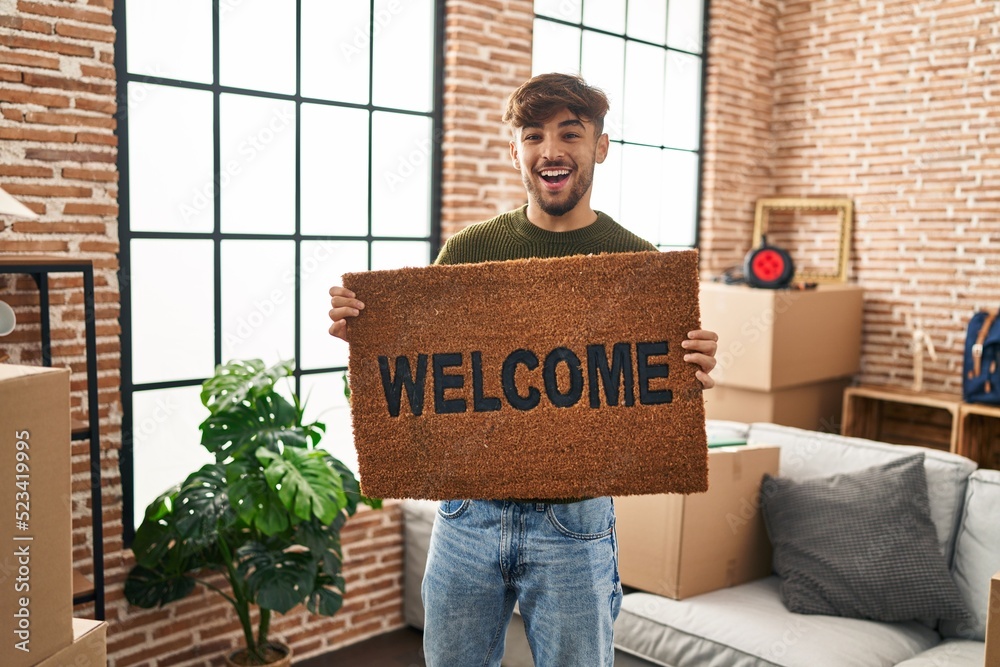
[278, 655]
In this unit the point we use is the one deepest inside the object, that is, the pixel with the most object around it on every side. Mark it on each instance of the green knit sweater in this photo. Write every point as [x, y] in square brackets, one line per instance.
[512, 236]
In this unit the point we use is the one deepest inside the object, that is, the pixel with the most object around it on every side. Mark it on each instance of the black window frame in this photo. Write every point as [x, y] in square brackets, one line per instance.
[703, 56]
[126, 235]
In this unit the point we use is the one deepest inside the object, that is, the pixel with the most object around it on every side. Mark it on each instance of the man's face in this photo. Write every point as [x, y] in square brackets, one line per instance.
[557, 160]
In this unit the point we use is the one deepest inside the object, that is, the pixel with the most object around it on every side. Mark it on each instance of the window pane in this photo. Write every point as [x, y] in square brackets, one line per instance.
[401, 175]
[257, 45]
[166, 441]
[323, 395]
[322, 265]
[399, 254]
[680, 196]
[564, 10]
[258, 300]
[335, 53]
[403, 67]
[683, 113]
[604, 67]
[643, 112]
[170, 159]
[642, 187]
[334, 196]
[606, 15]
[647, 20]
[555, 48]
[153, 29]
[608, 183]
[257, 177]
[173, 318]
[684, 25]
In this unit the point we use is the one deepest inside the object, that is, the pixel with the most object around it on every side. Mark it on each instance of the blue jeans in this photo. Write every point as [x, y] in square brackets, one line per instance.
[559, 562]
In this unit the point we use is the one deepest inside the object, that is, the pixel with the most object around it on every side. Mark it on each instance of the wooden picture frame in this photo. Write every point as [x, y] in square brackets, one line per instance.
[842, 208]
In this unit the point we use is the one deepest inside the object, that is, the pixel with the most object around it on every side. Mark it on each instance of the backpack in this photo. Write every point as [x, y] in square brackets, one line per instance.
[981, 369]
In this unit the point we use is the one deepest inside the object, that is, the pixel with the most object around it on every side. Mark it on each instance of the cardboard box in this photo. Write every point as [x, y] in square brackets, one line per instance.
[772, 339]
[993, 624]
[36, 590]
[89, 647]
[684, 545]
[816, 406]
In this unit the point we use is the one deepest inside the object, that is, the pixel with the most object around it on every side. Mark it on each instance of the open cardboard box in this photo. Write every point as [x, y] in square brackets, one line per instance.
[36, 589]
[679, 546]
[89, 647]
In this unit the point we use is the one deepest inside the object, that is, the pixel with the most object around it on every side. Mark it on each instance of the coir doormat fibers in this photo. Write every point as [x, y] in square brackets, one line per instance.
[528, 379]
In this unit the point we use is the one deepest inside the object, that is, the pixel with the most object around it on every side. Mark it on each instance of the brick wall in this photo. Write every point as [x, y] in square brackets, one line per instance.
[57, 156]
[739, 148]
[886, 103]
[487, 55]
[889, 104]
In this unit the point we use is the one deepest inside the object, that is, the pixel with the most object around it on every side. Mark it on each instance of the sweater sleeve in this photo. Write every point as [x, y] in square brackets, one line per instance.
[445, 255]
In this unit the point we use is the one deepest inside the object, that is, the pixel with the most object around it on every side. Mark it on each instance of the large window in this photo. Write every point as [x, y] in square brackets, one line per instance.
[266, 148]
[648, 56]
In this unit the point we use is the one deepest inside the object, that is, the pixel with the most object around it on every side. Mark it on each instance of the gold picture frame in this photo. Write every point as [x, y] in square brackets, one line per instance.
[842, 208]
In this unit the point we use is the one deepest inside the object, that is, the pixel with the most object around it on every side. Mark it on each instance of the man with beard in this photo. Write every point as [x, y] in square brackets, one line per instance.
[557, 559]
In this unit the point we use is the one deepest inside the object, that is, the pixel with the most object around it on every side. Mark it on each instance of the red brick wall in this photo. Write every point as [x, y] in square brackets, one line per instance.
[487, 55]
[891, 105]
[739, 148]
[57, 156]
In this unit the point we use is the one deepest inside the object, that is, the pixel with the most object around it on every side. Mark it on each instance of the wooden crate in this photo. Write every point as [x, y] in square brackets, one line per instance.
[901, 416]
[979, 434]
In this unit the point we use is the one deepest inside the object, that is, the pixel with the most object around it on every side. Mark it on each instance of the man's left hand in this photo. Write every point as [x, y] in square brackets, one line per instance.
[701, 346]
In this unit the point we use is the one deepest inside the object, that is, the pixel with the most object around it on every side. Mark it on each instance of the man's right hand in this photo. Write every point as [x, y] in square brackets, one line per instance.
[345, 304]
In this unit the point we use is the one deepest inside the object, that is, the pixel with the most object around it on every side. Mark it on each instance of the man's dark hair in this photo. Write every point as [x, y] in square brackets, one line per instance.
[541, 97]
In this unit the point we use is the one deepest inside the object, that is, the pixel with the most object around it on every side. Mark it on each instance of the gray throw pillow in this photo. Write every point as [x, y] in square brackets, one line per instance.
[860, 545]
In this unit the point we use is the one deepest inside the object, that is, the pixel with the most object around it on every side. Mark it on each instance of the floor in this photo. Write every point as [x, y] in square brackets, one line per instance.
[400, 648]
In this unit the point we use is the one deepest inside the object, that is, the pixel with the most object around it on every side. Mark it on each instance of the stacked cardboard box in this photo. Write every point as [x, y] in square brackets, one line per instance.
[684, 545]
[785, 356]
[36, 568]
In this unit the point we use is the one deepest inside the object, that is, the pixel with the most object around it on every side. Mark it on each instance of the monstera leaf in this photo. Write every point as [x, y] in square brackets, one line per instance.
[238, 380]
[327, 598]
[267, 420]
[323, 542]
[256, 503]
[304, 482]
[277, 580]
[148, 588]
[201, 510]
[352, 489]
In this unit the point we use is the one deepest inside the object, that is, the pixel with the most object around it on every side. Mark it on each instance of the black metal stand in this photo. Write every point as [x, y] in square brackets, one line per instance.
[39, 269]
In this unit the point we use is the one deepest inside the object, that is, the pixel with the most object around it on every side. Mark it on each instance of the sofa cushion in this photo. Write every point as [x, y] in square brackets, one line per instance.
[950, 653]
[977, 552]
[747, 626]
[860, 544]
[807, 454]
[721, 430]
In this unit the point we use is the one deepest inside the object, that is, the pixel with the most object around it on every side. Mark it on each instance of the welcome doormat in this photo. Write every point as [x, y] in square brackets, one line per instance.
[528, 379]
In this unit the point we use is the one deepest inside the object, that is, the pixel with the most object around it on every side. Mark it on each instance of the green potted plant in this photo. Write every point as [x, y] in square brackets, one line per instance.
[266, 514]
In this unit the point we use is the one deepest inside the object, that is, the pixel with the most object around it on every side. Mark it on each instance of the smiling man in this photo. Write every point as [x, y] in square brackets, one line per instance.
[556, 559]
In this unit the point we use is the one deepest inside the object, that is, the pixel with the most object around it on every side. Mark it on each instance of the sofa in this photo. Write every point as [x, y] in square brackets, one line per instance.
[748, 625]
